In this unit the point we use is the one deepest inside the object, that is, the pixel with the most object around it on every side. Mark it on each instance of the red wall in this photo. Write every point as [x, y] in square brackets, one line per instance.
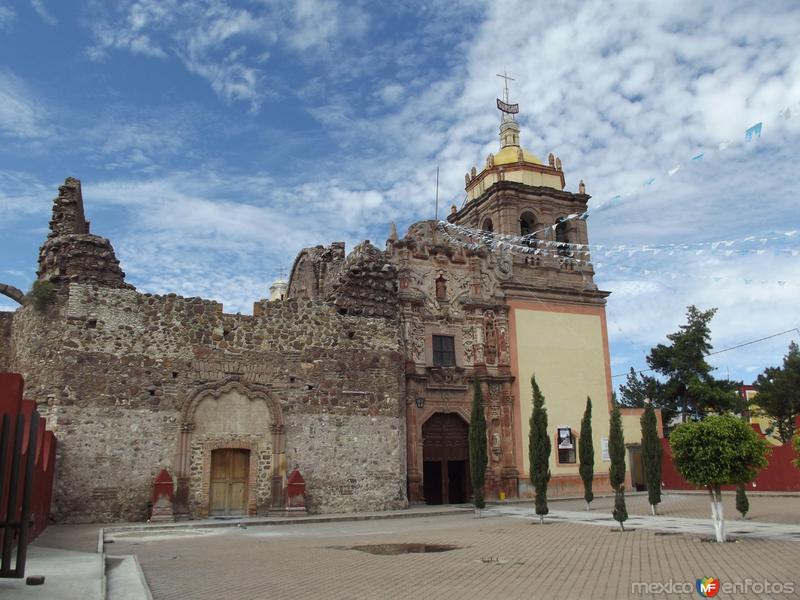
[780, 475]
[11, 403]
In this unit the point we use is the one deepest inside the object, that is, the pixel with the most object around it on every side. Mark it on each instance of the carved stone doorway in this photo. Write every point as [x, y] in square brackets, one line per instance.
[445, 455]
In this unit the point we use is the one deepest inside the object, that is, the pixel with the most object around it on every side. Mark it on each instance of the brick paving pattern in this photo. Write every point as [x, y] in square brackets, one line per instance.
[771, 509]
[523, 560]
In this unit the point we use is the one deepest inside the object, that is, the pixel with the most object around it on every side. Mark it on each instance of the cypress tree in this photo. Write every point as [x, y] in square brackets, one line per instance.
[616, 474]
[586, 451]
[742, 503]
[539, 451]
[477, 446]
[651, 456]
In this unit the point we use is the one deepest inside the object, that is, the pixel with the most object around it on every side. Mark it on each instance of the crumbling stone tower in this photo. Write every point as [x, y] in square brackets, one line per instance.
[71, 253]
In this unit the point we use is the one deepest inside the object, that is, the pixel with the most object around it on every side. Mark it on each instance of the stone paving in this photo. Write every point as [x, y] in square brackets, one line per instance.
[735, 528]
[501, 556]
[772, 508]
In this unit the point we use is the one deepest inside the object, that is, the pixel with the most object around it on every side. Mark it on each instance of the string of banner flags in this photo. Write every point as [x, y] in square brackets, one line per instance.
[573, 253]
[579, 253]
[566, 253]
[751, 133]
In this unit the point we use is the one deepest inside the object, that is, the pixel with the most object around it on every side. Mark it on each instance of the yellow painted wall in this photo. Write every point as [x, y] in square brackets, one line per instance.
[567, 353]
[520, 175]
[759, 417]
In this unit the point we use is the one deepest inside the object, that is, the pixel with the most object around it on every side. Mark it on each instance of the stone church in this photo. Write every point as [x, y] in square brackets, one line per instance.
[358, 371]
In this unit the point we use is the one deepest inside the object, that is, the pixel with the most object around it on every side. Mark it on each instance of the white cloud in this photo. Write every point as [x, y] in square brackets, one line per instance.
[316, 25]
[44, 15]
[22, 116]
[7, 16]
[621, 91]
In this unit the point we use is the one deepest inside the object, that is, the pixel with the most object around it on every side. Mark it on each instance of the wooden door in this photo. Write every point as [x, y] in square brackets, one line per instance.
[229, 486]
[445, 455]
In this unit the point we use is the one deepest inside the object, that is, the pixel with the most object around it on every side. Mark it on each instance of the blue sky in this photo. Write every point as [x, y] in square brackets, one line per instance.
[216, 139]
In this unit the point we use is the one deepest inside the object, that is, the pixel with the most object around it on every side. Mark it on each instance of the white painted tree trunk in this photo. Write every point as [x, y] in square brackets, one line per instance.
[722, 537]
[716, 514]
[587, 507]
[653, 509]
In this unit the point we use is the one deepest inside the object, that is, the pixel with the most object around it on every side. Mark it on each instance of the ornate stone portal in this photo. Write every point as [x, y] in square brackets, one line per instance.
[231, 415]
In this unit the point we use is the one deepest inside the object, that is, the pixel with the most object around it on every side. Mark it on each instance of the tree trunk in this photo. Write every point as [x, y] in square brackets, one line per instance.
[716, 513]
[653, 510]
[587, 507]
[541, 519]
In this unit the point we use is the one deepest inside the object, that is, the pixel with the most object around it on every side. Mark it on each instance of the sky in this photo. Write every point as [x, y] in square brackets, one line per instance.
[215, 139]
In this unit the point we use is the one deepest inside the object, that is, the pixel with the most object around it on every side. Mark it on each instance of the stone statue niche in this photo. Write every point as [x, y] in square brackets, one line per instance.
[441, 289]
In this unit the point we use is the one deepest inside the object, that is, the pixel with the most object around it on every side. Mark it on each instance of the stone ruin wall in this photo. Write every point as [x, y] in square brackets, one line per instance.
[6, 318]
[112, 369]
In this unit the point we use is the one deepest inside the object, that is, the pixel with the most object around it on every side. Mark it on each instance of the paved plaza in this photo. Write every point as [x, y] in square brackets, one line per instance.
[502, 555]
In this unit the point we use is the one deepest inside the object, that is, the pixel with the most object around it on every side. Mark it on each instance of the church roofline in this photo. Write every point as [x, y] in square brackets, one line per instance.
[516, 186]
[515, 166]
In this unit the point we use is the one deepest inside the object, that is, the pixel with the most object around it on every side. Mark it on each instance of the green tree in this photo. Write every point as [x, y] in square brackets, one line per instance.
[742, 503]
[779, 393]
[586, 452]
[41, 294]
[719, 450]
[796, 443]
[616, 473]
[638, 389]
[539, 451]
[651, 456]
[687, 388]
[477, 446]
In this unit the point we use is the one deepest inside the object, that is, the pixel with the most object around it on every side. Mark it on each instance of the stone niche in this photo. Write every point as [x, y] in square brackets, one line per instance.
[231, 415]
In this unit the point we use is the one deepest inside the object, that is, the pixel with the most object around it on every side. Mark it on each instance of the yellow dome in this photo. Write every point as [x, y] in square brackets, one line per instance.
[510, 154]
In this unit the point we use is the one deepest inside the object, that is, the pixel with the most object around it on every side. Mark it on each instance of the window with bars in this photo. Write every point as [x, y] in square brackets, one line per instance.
[444, 351]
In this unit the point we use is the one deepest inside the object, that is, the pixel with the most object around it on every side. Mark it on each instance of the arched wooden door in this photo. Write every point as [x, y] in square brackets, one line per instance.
[445, 455]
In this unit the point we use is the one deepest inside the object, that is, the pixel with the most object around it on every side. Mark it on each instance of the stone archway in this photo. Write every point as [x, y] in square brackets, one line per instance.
[230, 415]
[445, 459]
[12, 292]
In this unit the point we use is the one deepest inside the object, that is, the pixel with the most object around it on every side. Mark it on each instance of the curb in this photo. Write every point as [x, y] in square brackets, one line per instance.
[256, 522]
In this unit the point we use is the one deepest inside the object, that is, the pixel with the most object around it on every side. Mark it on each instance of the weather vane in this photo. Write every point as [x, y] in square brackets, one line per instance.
[503, 105]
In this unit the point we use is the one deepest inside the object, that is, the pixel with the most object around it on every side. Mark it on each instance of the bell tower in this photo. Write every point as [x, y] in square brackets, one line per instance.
[517, 194]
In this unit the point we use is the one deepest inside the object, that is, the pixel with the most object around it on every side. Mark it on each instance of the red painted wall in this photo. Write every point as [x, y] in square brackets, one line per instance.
[780, 475]
[11, 403]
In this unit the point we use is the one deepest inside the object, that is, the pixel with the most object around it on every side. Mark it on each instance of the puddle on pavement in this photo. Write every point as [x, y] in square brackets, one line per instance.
[395, 549]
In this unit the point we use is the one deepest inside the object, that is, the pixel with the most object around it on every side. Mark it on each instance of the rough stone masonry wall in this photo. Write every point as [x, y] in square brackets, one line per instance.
[112, 369]
[366, 284]
[5, 341]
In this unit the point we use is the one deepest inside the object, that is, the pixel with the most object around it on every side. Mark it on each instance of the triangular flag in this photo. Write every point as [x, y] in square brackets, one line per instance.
[755, 130]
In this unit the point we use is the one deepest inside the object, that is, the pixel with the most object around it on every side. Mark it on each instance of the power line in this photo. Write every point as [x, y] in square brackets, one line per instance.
[795, 329]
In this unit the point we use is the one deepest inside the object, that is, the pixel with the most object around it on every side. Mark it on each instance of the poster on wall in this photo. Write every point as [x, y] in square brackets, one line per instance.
[565, 438]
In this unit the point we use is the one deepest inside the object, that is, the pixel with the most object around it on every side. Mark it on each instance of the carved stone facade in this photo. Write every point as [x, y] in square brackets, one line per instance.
[362, 377]
[451, 292]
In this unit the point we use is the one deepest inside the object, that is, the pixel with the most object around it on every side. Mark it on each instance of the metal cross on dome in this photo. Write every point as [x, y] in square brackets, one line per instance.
[504, 105]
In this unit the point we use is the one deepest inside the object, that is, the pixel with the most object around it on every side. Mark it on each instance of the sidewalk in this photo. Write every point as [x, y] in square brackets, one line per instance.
[734, 528]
